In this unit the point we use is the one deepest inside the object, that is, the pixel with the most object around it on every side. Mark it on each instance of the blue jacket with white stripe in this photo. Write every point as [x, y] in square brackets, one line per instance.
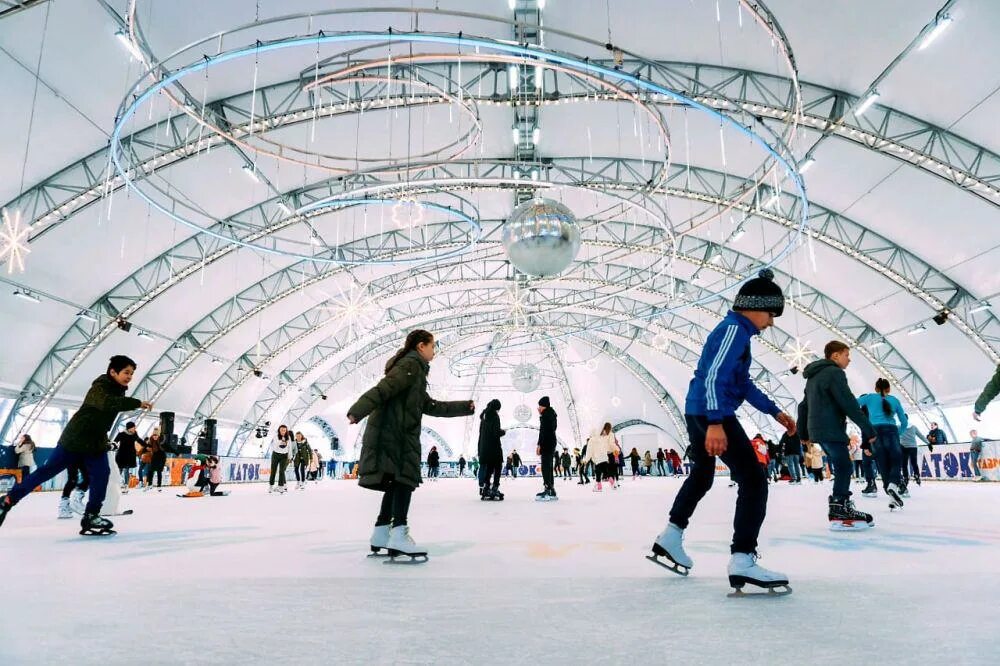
[722, 379]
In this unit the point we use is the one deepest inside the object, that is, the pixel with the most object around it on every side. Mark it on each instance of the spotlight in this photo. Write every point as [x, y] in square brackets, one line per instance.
[794, 369]
[26, 295]
[124, 325]
[258, 373]
[941, 317]
[143, 335]
[322, 396]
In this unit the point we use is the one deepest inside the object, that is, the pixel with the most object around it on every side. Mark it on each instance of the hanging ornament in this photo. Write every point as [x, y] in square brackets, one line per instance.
[14, 241]
[616, 401]
[798, 353]
[522, 413]
[356, 310]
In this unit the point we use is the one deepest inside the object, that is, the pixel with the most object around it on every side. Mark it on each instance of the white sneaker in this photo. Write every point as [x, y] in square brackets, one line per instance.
[76, 502]
[670, 544]
[400, 541]
[743, 569]
[64, 510]
[380, 538]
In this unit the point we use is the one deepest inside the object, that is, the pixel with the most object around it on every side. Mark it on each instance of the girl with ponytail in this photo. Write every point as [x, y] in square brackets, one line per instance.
[887, 415]
[390, 449]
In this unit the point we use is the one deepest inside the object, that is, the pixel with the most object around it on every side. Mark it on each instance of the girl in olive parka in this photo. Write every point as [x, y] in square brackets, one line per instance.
[390, 449]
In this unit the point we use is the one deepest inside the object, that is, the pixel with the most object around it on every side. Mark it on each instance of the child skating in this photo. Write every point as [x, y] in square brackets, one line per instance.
[84, 443]
[720, 385]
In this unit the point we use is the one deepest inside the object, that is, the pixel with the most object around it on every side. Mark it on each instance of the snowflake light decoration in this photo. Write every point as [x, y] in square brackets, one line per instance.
[13, 241]
[413, 216]
[355, 309]
[798, 353]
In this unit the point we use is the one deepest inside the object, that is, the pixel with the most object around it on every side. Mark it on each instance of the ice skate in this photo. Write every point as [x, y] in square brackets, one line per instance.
[670, 544]
[598, 488]
[5, 507]
[904, 490]
[845, 518]
[870, 490]
[401, 545]
[93, 525]
[380, 541]
[64, 510]
[743, 570]
[547, 495]
[893, 492]
[270, 489]
[76, 503]
[496, 495]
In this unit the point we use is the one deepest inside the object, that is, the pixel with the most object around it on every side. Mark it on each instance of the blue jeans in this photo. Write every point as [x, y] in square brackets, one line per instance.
[975, 463]
[792, 463]
[96, 465]
[888, 454]
[841, 466]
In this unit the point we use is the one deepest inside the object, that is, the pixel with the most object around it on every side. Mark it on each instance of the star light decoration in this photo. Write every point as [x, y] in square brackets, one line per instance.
[13, 241]
[798, 353]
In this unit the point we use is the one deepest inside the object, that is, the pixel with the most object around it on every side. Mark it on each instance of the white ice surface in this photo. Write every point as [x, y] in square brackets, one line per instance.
[253, 578]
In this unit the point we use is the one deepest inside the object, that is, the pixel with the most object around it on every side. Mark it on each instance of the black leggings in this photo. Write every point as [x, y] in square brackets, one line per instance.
[74, 472]
[817, 473]
[601, 472]
[159, 476]
[300, 471]
[395, 505]
[279, 462]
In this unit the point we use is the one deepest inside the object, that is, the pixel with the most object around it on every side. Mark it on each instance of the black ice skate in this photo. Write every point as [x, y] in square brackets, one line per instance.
[5, 507]
[402, 548]
[845, 518]
[870, 490]
[492, 496]
[94, 525]
[744, 570]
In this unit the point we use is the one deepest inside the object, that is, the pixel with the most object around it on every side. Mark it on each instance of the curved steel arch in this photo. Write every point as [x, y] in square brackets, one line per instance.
[185, 259]
[424, 430]
[812, 303]
[525, 426]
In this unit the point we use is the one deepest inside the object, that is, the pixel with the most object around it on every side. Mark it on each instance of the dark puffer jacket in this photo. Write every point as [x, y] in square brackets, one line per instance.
[827, 405]
[87, 430]
[490, 432]
[547, 430]
[390, 447]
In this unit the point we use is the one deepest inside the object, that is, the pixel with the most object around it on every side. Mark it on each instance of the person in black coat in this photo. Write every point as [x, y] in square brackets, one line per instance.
[433, 463]
[546, 447]
[125, 456]
[490, 449]
[84, 442]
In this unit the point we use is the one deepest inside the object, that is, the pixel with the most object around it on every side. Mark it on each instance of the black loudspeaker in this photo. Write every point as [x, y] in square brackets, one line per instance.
[208, 443]
[166, 427]
[335, 443]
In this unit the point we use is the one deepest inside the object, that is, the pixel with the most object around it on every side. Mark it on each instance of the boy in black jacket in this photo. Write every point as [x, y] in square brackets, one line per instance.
[84, 443]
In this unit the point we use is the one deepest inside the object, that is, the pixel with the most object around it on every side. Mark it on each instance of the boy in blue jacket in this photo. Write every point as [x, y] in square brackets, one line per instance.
[720, 385]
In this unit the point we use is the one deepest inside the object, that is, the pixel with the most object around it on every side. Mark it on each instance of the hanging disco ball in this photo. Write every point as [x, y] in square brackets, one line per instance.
[522, 413]
[526, 377]
[542, 237]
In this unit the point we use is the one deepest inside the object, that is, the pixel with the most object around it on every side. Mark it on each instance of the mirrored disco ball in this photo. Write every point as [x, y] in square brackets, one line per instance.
[542, 237]
[522, 413]
[525, 377]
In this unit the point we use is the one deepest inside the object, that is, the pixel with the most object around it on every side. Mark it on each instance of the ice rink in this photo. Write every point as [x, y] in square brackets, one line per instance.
[253, 578]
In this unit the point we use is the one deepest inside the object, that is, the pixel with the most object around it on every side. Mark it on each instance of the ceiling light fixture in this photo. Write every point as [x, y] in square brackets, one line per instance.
[516, 135]
[145, 336]
[251, 172]
[940, 26]
[867, 104]
[26, 295]
[536, 135]
[917, 330]
[807, 164]
[123, 37]
[513, 76]
[85, 315]
[941, 317]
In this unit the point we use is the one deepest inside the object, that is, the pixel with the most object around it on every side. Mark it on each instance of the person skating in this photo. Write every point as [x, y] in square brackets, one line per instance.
[721, 383]
[515, 463]
[600, 451]
[990, 391]
[883, 411]
[975, 451]
[25, 450]
[128, 442]
[908, 441]
[567, 464]
[281, 447]
[490, 451]
[390, 448]
[433, 464]
[461, 466]
[157, 460]
[661, 458]
[581, 466]
[676, 463]
[647, 461]
[300, 456]
[791, 453]
[546, 448]
[823, 414]
[84, 443]
[633, 460]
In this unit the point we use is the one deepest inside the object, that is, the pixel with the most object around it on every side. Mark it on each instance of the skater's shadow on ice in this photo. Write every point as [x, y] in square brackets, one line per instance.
[436, 549]
[151, 544]
[907, 543]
